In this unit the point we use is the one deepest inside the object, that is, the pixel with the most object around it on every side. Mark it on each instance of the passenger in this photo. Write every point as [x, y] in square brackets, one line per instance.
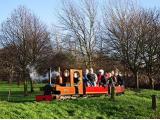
[76, 81]
[109, 81]
[76, 78]
[101, 78]
[114, 78]
[65, 78]
[92, 77]
[108, 77]
[120, 79]
[100, 73]
[85, 78]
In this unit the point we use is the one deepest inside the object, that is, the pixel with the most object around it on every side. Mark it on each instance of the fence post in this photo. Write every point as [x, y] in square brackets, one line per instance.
[112, 92]
[154, 103]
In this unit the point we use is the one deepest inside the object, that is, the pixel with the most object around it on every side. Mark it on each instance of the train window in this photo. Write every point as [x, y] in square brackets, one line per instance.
[66, 73]
[76, 77]
[66, 80]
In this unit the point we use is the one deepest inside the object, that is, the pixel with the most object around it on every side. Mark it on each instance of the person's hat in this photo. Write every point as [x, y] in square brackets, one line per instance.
[101, 71]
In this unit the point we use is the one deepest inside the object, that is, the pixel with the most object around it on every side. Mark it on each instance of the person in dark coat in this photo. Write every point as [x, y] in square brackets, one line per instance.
[85, 78]
[101, 78]
[92, 77]
[120, 80]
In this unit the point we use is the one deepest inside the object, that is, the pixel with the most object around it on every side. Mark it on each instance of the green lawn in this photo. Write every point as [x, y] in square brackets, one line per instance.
[133, 104]
[16, 92]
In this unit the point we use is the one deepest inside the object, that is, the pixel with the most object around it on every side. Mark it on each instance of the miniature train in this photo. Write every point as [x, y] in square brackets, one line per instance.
[69, 87]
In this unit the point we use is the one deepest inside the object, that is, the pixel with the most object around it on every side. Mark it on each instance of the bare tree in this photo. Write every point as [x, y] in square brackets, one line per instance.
[151, 47]
[81, 23]
[29, 36]
[124, 34]
[39, 44]
[133, 35]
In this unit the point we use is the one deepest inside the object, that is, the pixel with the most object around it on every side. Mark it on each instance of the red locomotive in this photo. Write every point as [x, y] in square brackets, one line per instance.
[72, 85]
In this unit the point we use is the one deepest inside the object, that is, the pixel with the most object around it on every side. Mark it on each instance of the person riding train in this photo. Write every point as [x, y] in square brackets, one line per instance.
[76, 81]
[92, 77]
[76, 78]
[101, 78]
[120, 80]
[85, 78]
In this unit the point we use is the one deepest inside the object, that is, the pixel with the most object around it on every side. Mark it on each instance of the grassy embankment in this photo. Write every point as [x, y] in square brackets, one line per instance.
[130, 105]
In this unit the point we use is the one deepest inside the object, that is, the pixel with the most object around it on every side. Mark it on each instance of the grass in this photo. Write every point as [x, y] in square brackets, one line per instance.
[16, 92]
[133, 104]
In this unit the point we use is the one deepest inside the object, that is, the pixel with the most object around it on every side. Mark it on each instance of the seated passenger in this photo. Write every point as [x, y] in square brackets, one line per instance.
[76, 81]
[114, 78]
[119, 79]
[108, 76]
[85, 78]
[76, 78]
[65, 78]
[101, 78]
[109, 81]
[92, 77]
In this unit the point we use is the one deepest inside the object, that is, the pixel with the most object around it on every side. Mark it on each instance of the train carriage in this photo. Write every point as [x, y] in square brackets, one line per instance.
[74, 86]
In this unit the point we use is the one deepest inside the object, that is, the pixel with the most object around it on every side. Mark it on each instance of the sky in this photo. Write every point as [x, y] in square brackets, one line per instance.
[47, 10]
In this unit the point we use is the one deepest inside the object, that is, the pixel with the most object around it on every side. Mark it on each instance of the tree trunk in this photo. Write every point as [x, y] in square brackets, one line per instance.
[32, 87]
[90, 61]
[25, 83]
[10, 79]
[18, 80]
[10, 76]
[25, 88]
[85, 62]
[151, 82]
[136, 79]
[113, 92]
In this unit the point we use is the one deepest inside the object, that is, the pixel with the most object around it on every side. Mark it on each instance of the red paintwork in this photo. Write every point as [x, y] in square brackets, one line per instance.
[119, 89]
[89, 90]
[97, 90]
[103, 90]
[43, 98]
